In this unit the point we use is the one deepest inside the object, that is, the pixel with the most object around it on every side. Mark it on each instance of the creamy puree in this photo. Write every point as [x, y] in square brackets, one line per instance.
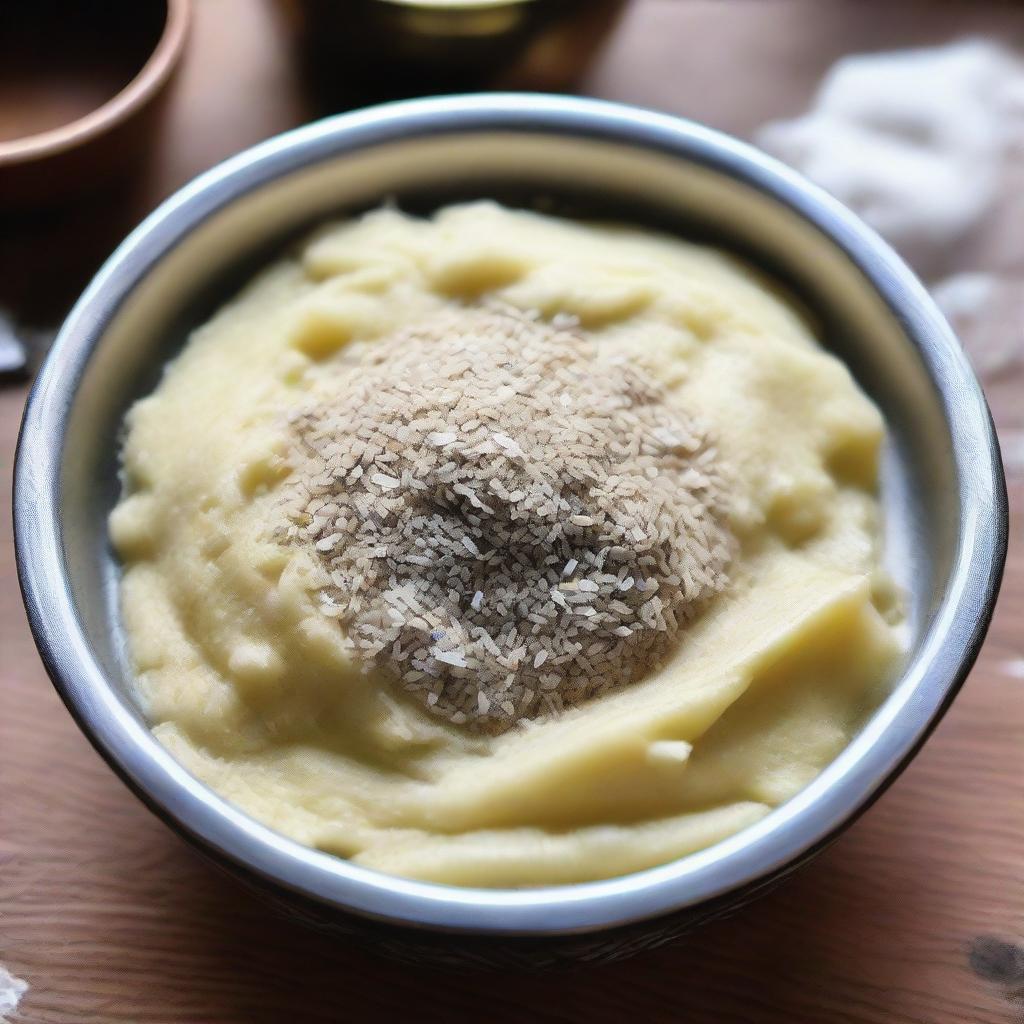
[250, 685]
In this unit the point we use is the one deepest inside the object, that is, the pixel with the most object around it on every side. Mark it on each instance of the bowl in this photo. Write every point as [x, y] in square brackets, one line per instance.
[81, 87]
[393, 48]
[942, 484]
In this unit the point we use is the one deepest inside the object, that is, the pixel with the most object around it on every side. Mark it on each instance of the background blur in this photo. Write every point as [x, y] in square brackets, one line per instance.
[917, 915]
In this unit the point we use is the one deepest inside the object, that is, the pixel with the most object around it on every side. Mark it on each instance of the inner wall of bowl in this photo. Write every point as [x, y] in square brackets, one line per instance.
[569, 176]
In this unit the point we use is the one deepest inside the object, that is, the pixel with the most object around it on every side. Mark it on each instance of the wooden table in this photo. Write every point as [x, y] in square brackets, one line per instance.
[914, 916]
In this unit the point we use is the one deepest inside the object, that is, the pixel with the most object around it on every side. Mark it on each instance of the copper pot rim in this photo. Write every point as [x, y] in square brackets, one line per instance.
[119, 108]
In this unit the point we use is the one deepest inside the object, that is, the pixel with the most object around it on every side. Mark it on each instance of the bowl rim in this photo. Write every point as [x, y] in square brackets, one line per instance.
[144, 84]
[759, 852]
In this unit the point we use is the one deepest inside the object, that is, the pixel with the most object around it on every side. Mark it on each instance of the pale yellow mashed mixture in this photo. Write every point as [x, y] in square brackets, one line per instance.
[248, 684]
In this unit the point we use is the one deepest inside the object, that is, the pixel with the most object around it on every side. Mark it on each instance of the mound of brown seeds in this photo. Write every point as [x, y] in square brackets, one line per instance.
[511, 522]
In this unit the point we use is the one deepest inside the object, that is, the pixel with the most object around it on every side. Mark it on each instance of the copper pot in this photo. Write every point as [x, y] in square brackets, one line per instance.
[82, 87]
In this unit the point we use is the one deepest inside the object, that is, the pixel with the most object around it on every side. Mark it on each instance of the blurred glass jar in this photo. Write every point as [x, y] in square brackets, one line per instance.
[387, 48]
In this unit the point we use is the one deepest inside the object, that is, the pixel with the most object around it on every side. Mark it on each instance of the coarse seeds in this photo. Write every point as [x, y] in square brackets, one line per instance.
[510, 527]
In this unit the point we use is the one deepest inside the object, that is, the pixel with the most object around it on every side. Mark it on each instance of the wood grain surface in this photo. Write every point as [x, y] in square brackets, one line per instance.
[916, 915]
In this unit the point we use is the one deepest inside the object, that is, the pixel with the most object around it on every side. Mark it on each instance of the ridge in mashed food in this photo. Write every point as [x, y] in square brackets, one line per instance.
[497, 549]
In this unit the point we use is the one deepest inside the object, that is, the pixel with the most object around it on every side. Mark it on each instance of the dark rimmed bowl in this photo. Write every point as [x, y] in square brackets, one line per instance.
[943, 487]
[392, 48]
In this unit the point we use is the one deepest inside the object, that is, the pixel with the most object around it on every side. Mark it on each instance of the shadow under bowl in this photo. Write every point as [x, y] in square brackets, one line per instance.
[943, 489]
